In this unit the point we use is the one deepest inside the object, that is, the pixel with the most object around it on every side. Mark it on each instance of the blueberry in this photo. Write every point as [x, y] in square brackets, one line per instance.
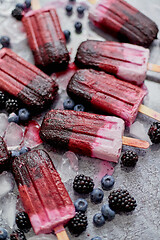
[98, 220]
[97, 195]
[107, 212]
[23, 115]
[96, 238]
[79, 107]
[69, 8]
[15, 153]
[67, 34]
[107, 182]
[24, 150]
[78, 27]
[28, 3]
[80, 9]
[3, 233]
[5, 41]
[81, 205]
[68, 104]
[13, 118]
[20, 5]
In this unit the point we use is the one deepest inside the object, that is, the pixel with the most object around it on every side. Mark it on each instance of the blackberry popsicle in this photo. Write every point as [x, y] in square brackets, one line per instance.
[109, 94]
[126, 61]
[43, 194]
[124, 21]
[88, 134]
[45, 38]
[25, 82]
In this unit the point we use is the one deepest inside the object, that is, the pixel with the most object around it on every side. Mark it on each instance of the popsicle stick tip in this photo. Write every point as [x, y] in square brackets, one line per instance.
[92, 1]
[149, 112]
[153, 67]
[62, 235]
[35, 4]
[133, 142]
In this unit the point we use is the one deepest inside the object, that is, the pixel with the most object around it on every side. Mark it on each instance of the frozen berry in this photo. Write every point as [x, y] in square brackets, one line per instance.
[2, 100]
[13, 118]
[107, 212]
[98, 220]
[97, 195]
[96, 238]
[83, 184]
[68, 104]
[80, 9]
[3, 233]
[24, 115]
[12, 105]
[78, 224]
[17, 13]
[81, 205]
[20, 5]
[14, 153]
[79, 107]
[69, 8]
[129, 159]
[78, 27]
[23, 222]
[24, 150]
[5, 41]
[17, 235]
[28, 3]
[107, 182]
[67, 34]
[154, 132]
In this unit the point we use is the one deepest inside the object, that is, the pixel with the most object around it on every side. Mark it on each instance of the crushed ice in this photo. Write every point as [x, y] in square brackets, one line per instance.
[6, 183]
[4, 123]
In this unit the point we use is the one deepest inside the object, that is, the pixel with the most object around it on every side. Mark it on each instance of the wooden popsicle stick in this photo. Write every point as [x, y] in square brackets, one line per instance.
[61, 233]
[149, 112]
[153, 67]
[92, 1]
[35, 4]
[133, 142]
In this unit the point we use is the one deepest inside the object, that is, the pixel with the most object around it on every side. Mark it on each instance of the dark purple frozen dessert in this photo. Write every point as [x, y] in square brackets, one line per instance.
[4, 156]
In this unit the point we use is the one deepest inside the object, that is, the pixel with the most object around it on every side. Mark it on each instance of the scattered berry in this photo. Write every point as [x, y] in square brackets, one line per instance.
[20, 5]
[24, 150]
[23, 115]
[69, 8]
[107, 212]
[12, 105]
[121, 200]
[28, 3]
[3, 233]
[17, 13]
[17, 235]
[78, 224]
[13, 118]
[154, 132]
[98, 220]
[2, 100]
[23, 222]
[79, 107]
[68, 104]
[78, 27]
[107, 182]
[67, 34]
[80, 9]
[97, 195]
[83, 184]
[129, 159]
[96, 238]
[5, 41]
[81, 205]
[14, 153]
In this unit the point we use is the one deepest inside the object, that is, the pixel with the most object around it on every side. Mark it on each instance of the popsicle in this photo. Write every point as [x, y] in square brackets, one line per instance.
[124, 21]
[85, 133]
[4, 156]
[25, 81]
[46, 39]
[43, 194]
[126, 61]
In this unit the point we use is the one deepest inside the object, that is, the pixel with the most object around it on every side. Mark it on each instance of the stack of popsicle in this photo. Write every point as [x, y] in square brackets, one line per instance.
[44, 196]
[124, 21]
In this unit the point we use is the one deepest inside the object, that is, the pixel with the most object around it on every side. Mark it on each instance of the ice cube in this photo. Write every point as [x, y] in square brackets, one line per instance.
[13, 136]
[4, 123]
[137, 130]
[44, 237]
[6, 183]
[68, 166]
[9, 209]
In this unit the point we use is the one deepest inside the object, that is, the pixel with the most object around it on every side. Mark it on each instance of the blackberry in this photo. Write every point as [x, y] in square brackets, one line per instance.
[129, 159]
[154, 132]
[2, 100]
[23, 222]
[78, 223]
[12, 105]
[17, 13]
[121, 200]
[83, 184]
[17, 235]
